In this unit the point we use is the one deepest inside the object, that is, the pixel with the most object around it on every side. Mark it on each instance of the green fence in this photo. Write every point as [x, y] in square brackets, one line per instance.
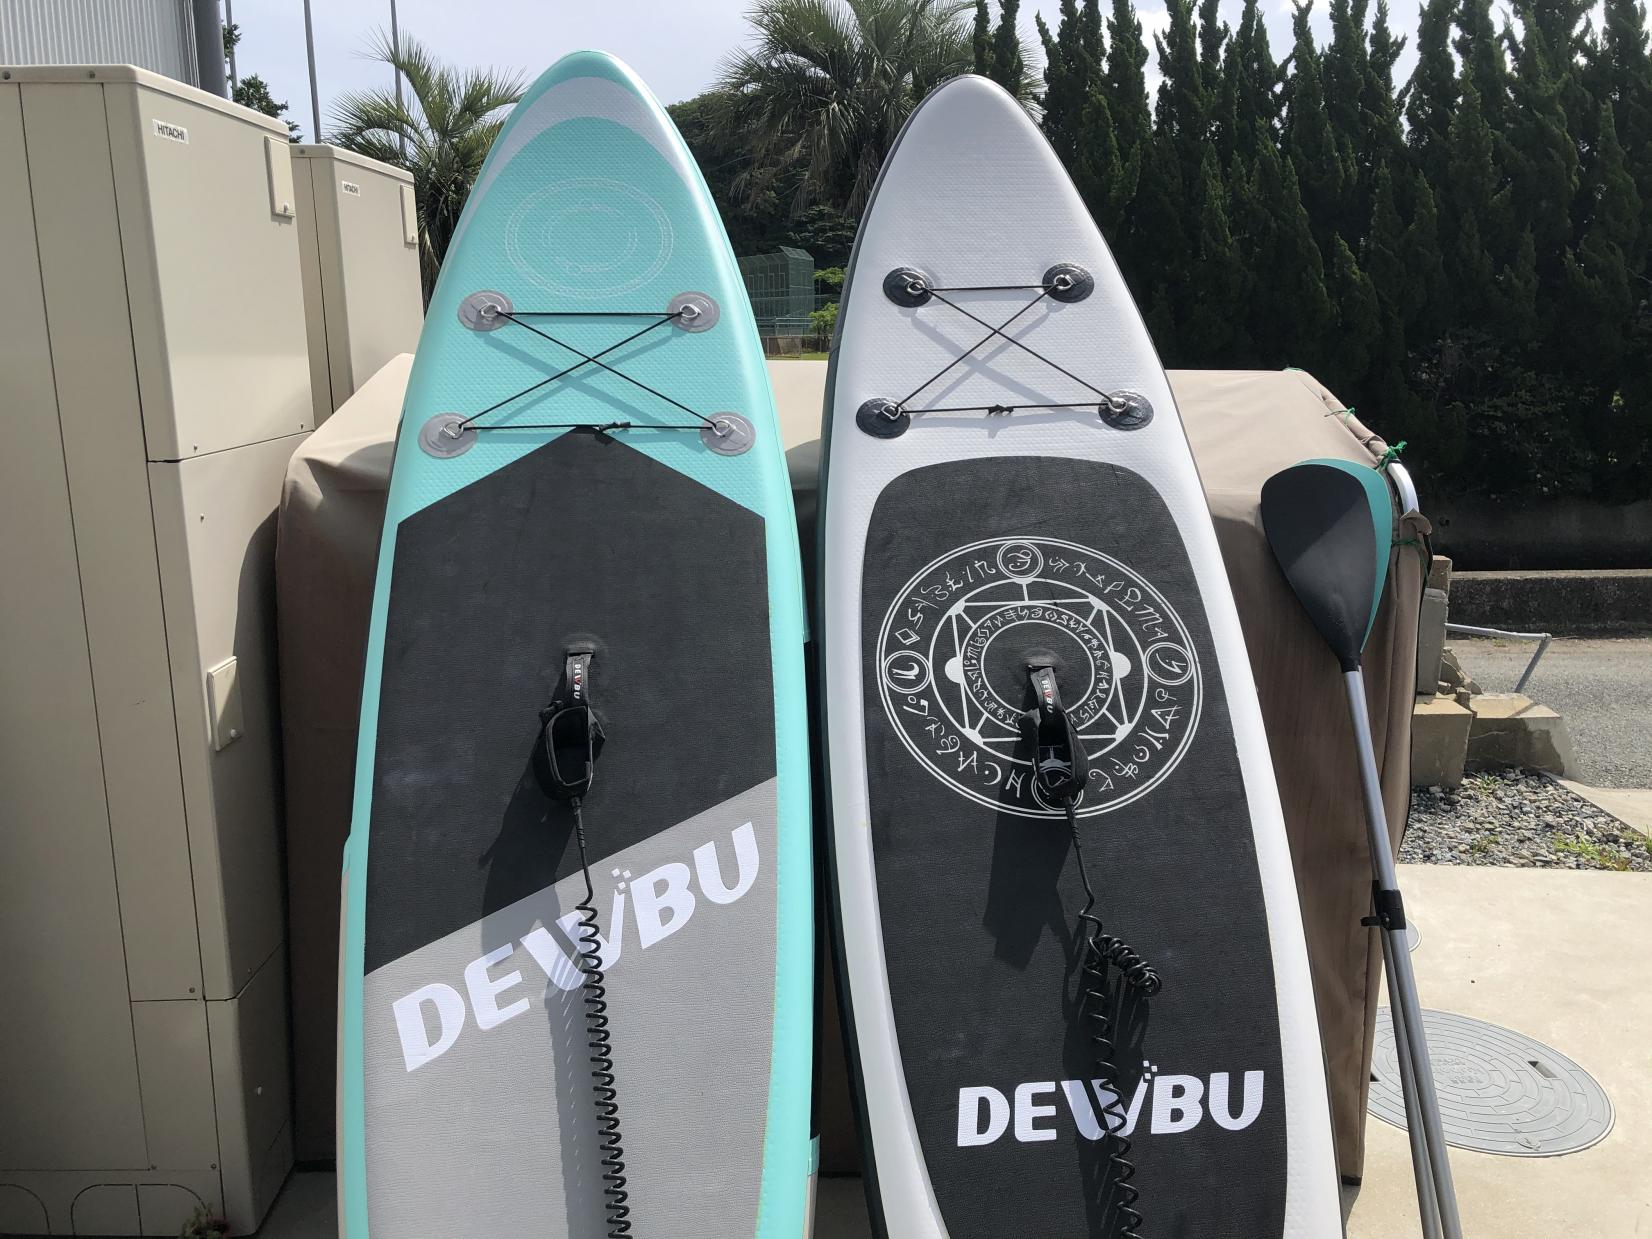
[781, 286]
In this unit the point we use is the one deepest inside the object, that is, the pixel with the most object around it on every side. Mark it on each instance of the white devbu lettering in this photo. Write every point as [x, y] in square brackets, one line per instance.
[662, 903]
[656, 893]
[417, 1048]
[710, 872]
[485, 989]
[1027, 1114]
[983, 1114]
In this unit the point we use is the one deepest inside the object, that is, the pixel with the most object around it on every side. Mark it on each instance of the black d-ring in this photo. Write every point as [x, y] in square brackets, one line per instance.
[907, 286]
[1126, 410]
[883, 419]
[1067, 281]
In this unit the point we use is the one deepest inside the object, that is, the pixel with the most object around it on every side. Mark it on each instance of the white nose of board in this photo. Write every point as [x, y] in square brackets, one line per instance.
[1014, 509]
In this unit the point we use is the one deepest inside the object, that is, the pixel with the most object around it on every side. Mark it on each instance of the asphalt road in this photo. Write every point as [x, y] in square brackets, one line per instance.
[1603, 689]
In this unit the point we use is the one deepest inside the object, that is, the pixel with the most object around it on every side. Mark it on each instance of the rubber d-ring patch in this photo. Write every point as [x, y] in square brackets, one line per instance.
[447, 435]
[693, 312]
[485, 310]
[1068, 281]
[1126, 410]
[729, 434]
[907, 286]
[883, 419]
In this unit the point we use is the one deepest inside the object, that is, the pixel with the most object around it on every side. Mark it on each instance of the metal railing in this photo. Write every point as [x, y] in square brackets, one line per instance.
[1542, 639]
[787, 314]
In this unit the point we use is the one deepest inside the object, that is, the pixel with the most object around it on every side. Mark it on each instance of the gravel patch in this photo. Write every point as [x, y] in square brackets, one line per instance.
[1518, 820]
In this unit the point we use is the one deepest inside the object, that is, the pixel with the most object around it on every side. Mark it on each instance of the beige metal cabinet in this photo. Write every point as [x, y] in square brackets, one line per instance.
[154, 381]
[358, 234]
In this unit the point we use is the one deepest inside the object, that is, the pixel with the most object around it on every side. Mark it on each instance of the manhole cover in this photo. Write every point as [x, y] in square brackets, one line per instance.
[1500, 1091]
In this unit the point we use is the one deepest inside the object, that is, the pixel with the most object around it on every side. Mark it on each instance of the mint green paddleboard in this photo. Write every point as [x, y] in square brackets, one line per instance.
[589, 510]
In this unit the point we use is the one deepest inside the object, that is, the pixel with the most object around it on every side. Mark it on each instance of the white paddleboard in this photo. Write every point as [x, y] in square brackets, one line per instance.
[985, 495]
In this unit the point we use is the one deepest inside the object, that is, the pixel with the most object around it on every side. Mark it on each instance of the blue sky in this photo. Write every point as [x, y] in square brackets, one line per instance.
[676, 45]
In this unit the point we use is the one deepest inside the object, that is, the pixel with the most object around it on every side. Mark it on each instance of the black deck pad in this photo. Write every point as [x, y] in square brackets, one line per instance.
[584, 537]
[969, 565]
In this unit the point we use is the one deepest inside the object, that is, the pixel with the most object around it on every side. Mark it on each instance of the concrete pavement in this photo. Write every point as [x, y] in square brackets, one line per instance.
[1603, 688]
[1558, 955]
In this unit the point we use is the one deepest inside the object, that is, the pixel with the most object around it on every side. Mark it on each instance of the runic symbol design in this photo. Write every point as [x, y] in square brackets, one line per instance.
[952, 670]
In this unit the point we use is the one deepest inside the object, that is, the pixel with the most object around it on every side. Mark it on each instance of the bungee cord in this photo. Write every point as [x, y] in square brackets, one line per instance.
[909, 288]
[492, 311]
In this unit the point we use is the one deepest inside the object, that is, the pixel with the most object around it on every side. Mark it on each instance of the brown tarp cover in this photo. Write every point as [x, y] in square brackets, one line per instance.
[1244, 426]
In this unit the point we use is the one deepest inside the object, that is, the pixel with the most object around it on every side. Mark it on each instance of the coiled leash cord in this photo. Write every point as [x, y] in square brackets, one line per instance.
[570, 741]
[1060, 767]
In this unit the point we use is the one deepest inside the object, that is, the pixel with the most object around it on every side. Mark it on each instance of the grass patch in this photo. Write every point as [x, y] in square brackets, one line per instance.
[1481, 845]
[800, 357]
[1481, 784]
[1594, 853]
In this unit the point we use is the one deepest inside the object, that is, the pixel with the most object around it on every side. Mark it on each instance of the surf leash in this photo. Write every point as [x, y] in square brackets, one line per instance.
[1065, 282]
[571, 737]
[1060, 769]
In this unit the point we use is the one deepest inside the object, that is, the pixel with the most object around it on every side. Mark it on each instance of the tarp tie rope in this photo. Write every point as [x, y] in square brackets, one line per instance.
[664, 318]
[1060, 769]
[571, 738]
[1391, 455]
[897, 407]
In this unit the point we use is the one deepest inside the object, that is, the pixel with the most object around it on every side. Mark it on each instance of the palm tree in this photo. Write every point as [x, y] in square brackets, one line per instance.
[441, 135]
[822, 92]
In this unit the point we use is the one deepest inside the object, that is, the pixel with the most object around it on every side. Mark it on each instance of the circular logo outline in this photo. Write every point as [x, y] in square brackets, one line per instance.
[1181, 642]
[592, 186]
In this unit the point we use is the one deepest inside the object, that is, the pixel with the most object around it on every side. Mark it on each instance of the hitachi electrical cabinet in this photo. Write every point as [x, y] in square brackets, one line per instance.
[358, 234]
[154, 380]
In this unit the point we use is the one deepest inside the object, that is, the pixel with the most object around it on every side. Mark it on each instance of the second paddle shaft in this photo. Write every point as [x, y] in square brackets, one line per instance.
[1402, 998]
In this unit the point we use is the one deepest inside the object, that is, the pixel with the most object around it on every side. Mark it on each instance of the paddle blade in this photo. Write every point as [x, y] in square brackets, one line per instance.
[1331, 526]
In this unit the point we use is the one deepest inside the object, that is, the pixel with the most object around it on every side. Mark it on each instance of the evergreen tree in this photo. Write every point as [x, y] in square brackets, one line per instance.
[1126, 78]
[1182, 114]
[1344, 68]
[1426, 295]
[1387, 393]
[1010, 68]
[1106, 181]
[253, 91]
[1517, 307]
[1284, 288]
[1174, 171]
[1250, 104]
[1469, 203]
[1072, 67]
[1542, 153]
[1347, 360]
[1213, 332]
[1383, 136]
[1620, 73]
[1432, 96]
[1124, 94]
[1600, 301]
[1310, 142]
[1078, 120]
[1481, 51]
[1213, 34]
[998, 49]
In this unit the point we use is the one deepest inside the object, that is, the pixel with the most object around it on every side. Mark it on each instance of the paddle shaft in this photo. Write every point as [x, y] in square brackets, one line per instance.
[1410, 1042]
[1428, 1204]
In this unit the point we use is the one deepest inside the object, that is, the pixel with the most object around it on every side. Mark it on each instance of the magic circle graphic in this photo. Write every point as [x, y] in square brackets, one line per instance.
[953, 674]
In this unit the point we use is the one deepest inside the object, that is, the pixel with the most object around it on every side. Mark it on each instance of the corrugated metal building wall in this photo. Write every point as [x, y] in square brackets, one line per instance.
[152, 34]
